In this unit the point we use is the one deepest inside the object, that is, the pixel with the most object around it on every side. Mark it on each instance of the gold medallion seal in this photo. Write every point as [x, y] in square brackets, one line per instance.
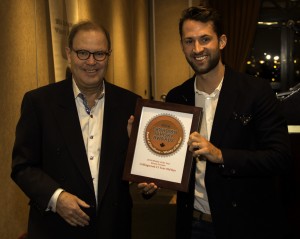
[164, 134]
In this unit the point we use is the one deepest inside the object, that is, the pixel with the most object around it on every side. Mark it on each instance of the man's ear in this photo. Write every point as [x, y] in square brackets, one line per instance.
[181, 44]
[68, 53]
[222, 41]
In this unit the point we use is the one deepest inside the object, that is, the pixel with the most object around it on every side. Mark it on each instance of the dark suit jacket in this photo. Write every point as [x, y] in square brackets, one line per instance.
[291, 109]
[252, 135]
[49, 153]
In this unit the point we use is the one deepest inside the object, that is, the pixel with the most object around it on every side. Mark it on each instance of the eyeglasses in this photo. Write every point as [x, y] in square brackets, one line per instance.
[98, 55]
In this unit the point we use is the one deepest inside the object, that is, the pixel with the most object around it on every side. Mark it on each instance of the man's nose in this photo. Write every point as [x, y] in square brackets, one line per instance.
[91, 60]
[197, 47]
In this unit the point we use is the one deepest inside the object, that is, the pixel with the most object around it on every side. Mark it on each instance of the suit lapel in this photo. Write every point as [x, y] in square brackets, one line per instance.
[66, 114]
[225, 107]
[108, 149]
[188, 94]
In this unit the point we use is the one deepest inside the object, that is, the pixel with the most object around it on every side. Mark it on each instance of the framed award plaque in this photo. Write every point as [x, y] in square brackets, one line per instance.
[158, 150]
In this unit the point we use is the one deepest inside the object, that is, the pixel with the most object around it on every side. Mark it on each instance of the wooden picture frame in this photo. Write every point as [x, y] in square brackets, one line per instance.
[158, 150]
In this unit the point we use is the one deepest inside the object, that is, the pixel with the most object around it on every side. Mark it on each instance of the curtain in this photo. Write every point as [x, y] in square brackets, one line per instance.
[240, 20]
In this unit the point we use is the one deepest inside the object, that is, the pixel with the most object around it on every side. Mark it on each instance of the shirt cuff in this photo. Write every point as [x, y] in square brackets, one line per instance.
[53, 200]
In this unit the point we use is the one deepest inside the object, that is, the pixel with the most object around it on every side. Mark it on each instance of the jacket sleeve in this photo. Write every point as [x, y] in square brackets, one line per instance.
[27, 157]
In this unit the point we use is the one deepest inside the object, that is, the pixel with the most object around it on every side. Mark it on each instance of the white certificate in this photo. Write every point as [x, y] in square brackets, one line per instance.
[158, 150]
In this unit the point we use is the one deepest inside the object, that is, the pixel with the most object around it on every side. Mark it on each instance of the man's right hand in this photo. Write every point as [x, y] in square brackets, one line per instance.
[68, 207]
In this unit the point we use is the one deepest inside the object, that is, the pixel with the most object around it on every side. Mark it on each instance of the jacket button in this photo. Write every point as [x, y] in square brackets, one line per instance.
[232, 171]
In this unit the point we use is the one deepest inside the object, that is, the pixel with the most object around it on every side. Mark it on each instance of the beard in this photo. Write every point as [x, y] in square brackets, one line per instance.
[209, 65]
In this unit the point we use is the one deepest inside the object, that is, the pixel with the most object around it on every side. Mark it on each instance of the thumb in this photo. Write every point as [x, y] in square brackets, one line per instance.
[129, 124]
[82, 203]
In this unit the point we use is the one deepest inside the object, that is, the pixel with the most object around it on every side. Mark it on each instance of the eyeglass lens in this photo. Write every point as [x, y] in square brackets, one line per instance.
[98, 55]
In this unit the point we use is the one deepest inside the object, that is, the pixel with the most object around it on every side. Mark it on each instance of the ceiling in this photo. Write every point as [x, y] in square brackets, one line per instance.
[280, 10]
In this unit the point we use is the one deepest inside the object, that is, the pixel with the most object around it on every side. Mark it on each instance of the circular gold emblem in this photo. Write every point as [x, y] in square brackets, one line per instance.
[164, 134]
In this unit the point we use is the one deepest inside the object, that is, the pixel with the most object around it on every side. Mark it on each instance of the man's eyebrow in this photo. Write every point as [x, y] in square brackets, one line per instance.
[193, 37]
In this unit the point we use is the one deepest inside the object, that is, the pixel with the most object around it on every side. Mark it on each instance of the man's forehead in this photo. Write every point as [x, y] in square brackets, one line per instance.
[90, 31]
[90, 36]
[197, 28]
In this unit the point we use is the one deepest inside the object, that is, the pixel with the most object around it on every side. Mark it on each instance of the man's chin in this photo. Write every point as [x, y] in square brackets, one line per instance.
[200, 70]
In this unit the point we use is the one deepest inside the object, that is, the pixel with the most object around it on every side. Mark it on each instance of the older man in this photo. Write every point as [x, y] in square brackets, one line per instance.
[70, 147]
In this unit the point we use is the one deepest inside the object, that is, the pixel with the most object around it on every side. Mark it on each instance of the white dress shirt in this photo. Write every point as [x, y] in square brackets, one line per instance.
[209, 104]
[91, 127]
[91, 122]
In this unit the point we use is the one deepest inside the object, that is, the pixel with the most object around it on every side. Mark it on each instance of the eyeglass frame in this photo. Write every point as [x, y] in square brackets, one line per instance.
[106, 54]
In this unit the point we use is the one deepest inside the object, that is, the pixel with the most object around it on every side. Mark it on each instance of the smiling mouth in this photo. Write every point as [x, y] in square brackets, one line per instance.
[200, 58]
[90, 71]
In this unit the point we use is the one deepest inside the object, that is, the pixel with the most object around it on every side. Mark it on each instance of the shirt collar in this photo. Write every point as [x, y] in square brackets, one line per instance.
[77, 92]
[215, 93]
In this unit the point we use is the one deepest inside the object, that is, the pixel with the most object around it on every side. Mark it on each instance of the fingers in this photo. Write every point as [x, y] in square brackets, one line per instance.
[194, 139]
[195, 146]
[196, 142]
[131, 119]
[68, 207]
[76, 220]
[198, 153]
[84, 218]
[129, 125]
[204, 150]
[200, 147]
[82, 203]
[147, 188]
[195, 136]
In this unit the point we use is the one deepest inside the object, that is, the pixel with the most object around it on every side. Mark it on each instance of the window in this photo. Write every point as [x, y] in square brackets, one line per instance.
[276, 50]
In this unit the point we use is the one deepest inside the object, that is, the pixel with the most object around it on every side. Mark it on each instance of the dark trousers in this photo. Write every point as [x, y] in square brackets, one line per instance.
[202, 230]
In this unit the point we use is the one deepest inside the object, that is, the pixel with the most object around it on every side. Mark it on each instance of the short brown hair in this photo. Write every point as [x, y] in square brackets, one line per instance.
[202, 14]
[87, 26]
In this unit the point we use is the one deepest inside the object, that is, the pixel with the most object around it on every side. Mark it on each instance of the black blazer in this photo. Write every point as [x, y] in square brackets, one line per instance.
[253, 137]
[49, 153]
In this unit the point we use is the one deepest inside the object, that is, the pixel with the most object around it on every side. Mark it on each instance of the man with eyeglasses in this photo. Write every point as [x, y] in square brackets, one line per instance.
[70, 147]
